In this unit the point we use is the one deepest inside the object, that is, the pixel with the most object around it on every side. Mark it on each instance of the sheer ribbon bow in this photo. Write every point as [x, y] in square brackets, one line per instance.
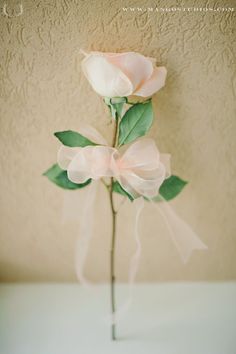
[140, 170]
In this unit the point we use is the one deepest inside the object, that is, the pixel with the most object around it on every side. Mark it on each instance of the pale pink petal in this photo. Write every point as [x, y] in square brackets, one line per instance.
[134, 65]
[155, 83]
[106, 78]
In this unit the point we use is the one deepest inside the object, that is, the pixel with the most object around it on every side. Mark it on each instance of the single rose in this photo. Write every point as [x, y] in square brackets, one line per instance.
[123, 74]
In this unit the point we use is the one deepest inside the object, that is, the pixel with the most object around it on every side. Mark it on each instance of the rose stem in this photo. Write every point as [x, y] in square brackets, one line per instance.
[113, 239]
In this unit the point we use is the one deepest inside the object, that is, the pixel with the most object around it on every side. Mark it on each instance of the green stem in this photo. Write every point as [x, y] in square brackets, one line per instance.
[113, 239]
[112, 265]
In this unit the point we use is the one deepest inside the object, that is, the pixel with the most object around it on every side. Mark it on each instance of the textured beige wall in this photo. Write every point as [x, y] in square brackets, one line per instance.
[43, 90]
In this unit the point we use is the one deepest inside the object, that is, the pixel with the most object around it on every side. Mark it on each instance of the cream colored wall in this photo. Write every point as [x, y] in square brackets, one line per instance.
[43, 91]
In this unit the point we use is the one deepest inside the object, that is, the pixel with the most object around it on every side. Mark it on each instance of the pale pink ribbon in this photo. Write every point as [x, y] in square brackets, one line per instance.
[140, 170]
[146, 162]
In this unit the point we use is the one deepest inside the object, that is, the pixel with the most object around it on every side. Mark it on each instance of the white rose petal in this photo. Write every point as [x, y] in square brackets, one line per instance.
[105, 78]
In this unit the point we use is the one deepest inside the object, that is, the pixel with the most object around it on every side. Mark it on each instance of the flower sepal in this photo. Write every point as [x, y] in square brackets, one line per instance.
[116, 105]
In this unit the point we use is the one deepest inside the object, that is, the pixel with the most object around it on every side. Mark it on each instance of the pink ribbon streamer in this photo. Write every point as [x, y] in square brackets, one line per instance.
[86, 232]
[184, 238]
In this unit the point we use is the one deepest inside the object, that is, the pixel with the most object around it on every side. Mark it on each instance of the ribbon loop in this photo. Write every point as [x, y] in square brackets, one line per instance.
[140, 170]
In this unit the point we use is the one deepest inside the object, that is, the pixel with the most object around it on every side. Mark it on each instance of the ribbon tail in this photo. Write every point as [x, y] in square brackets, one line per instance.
[93, 134]
[85, 231]
[184, 238]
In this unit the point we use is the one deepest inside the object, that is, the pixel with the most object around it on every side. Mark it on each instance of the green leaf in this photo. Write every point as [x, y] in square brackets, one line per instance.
[116, 187]
[73, 139]
[170, 188]
[136, 122]
[58, 176]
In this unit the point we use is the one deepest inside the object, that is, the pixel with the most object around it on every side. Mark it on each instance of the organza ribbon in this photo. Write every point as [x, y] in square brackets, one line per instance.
[140, 170]
[184, 238]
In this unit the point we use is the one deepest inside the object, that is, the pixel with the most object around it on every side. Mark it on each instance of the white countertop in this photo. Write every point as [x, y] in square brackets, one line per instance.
[171, 318]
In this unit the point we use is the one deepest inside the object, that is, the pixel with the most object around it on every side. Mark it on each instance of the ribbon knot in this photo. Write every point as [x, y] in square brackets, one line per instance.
[140, 170]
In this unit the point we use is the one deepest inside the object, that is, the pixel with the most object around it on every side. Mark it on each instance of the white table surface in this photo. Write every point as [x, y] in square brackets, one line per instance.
[172, 318]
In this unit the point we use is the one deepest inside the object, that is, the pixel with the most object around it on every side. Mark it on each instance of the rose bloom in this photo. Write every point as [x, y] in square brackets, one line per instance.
[123, 74]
